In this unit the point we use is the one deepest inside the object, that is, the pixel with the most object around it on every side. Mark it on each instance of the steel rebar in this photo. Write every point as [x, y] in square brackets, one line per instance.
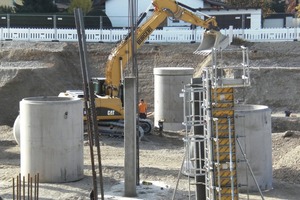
[13, 188]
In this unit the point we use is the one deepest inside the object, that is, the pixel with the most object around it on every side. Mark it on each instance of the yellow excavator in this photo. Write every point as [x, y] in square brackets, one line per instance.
[109, 90]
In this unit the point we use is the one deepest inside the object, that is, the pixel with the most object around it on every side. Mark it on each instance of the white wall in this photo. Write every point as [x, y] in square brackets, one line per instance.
[118, 12]
[254, 13]
[273, 23]
[288, 22]
[190, 3]
[193, 3]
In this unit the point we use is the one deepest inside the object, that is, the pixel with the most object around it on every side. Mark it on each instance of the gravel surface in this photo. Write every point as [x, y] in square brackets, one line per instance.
[37, 69]
[160, 161]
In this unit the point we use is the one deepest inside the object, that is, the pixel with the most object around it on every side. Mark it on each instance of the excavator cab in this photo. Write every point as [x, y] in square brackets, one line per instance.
[212, 39]
[99, 86]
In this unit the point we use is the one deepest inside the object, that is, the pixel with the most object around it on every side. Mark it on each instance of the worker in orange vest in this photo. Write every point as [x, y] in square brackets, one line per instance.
[142, 109]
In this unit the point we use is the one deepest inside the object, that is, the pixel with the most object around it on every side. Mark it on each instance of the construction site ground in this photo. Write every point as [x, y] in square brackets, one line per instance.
[38, 69]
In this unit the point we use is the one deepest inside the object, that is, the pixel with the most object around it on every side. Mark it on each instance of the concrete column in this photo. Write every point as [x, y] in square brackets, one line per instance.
[130, 137]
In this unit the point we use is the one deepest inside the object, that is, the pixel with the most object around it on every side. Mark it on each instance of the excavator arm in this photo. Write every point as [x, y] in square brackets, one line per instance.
[109, 90]
[119, 57]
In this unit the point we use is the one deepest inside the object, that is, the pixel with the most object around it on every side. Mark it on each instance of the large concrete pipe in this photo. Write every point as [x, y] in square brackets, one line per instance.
[253, 128]
[51, 138]
[168, 105]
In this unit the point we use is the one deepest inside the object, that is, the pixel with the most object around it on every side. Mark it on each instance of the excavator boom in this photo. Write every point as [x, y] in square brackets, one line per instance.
[109, 90]
[163, 9]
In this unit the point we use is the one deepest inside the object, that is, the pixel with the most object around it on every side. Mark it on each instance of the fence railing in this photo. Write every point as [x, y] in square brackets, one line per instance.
[171, 35]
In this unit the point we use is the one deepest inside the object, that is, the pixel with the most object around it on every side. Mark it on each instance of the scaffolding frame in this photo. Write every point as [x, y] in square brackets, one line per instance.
[211, 105]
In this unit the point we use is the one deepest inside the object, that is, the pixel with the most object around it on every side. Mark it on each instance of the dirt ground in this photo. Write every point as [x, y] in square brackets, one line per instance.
[37, 69]
[160, 161]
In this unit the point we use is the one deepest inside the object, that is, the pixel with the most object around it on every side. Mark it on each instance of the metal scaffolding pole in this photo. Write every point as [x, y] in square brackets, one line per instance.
[89, 101]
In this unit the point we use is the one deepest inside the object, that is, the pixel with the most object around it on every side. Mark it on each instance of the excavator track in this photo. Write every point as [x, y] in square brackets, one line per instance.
[116, 128]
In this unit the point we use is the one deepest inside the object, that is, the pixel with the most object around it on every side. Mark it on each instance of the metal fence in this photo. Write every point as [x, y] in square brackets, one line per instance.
[166, 35]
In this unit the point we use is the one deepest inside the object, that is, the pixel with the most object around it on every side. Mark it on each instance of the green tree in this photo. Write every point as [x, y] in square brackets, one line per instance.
[244, 4]
[97, 12]
[36, 6]
[278, 6]
[85, 5]
[265, 5]
[6, 9]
